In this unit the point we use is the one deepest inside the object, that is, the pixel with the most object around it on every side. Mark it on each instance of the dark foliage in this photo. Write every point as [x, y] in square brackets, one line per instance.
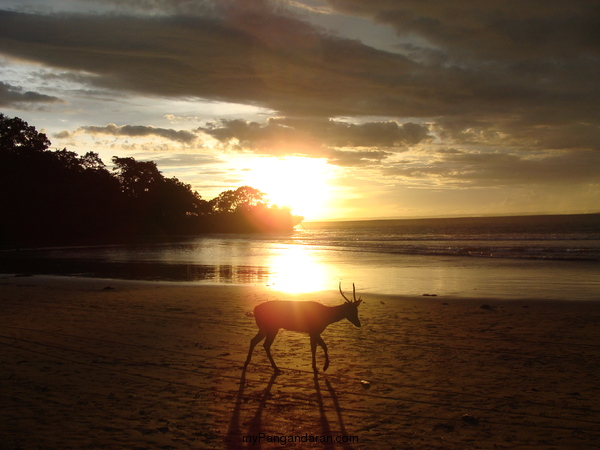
[51, 197]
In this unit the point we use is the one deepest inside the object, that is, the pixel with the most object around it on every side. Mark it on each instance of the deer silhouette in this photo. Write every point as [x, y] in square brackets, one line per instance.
[304, 316]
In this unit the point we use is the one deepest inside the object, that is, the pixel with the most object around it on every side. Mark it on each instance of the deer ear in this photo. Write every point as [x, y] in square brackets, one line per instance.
[358, 302]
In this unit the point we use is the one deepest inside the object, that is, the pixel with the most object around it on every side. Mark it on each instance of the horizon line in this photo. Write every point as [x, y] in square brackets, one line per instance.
[457, 216]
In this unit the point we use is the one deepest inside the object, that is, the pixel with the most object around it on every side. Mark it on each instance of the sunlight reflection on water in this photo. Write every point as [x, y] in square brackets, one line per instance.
[301, 268]
[296, 269]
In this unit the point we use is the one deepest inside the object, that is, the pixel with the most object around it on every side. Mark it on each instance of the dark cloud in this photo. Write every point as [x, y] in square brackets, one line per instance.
[492, 59]
[248, 57]
[14, 96]
[498, 169]
[515, 133]
[370, 134]
[549, 168]
[535, 64]
[356, 157]
[182, 136]
[524, 66]
[494, 30]
[373, 141]
[65, 134]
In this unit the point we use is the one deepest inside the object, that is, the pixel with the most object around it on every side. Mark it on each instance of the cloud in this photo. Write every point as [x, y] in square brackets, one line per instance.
[322, 131]
[521, 59]
[508, 89]
[354, 158]
[541, 133]
[369, 134]
[548, 168]
[14, 96]
[519, 65]
[321, 138]
[242, 56]
[452, 167]
[525, 67]
[187, 160]
[492, 30]
[182, 136]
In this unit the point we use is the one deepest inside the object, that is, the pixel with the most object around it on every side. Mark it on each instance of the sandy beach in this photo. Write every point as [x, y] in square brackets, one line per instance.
[92, 363]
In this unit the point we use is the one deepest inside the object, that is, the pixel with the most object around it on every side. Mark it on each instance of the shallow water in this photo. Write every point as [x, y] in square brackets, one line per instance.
[547, 257]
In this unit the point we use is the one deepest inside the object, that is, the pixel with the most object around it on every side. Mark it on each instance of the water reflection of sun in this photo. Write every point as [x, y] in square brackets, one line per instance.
[296, 270]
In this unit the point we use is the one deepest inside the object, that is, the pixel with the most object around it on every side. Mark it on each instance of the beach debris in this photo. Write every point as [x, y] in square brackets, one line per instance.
[365, 384]
[249, 314]
[109, 288]
[470, 420]
[429, 295]
[487, 307]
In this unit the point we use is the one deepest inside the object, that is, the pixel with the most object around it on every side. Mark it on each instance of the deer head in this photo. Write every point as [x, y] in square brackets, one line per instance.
[352, 306]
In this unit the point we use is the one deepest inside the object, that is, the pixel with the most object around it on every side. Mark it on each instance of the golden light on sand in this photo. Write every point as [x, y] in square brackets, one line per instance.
[297, 182]
[297, 271]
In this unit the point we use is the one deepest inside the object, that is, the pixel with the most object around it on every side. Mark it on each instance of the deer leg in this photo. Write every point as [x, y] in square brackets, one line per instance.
[319, 340]
[313, 351]
[270, 338]
[253, 343]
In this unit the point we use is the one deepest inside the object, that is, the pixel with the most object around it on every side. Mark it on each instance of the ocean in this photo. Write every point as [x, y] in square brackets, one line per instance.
[526, 257]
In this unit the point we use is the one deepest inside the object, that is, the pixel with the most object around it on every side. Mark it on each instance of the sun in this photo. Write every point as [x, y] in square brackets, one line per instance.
[293, 181]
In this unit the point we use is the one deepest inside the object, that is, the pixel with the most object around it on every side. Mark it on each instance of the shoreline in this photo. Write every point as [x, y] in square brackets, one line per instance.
[80, 280]
[124, 364]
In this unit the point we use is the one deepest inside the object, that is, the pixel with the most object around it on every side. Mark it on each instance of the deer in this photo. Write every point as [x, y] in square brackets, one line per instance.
[303, 316]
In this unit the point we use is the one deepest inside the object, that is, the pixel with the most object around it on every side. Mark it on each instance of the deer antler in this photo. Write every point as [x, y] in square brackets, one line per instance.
[347, 301]
[354, 294]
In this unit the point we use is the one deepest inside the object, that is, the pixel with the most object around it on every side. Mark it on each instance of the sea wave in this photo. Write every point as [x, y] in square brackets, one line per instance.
[567, 238]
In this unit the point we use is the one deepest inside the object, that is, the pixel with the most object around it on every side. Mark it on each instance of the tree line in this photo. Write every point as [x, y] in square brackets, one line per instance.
[49, 197]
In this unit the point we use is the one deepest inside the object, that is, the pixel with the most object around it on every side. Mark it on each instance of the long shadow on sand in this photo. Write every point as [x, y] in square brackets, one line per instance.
[236, 439]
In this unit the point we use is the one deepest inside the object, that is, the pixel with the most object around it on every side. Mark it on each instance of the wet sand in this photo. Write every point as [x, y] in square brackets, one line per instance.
[89, 363]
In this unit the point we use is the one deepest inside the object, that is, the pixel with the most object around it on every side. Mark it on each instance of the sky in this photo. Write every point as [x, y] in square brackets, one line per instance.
[340, 109]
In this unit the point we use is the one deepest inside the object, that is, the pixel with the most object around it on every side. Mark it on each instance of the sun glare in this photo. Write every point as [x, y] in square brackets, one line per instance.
[297, 271]
[297, 182]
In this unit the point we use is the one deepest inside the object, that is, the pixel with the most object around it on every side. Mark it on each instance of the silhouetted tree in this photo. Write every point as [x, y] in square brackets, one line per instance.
[24, 166]
[243, 197]
[17, 136]
[91, 161]
[58, 196]
[223, 203]
[137, 178]
[246, 210]
[247, 197]
[156, 204]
